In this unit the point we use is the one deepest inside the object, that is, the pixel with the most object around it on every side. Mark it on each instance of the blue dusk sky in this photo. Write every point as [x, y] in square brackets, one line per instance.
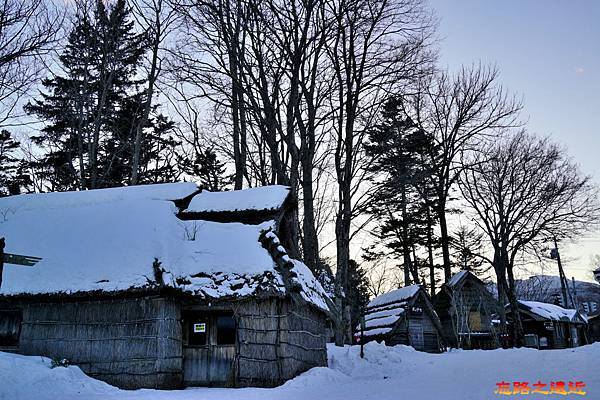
[548, 53]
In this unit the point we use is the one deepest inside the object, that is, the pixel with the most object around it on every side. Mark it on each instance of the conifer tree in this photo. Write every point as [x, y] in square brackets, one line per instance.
[357, 294]
[466, 246]
[403, 198]
[93, 107]
[13, 179]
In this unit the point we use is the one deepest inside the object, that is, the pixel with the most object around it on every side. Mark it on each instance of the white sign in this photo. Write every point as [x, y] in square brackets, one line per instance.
[200, 328]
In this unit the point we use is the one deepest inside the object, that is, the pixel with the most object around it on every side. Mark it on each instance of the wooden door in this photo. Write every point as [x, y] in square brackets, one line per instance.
[415, 331]
[207, 361]
[196, 361]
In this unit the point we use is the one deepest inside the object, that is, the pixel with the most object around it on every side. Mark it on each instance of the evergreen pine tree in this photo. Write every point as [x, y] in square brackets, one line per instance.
[13, 179]
[404, 198]
[205, 166]
[466, 245]
[93, 108]
[357, 294]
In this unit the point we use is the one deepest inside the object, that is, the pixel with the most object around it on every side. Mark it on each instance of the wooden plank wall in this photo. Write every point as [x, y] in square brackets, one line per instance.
[129, 343]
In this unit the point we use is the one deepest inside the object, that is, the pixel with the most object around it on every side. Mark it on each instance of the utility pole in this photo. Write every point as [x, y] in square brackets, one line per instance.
[563, 280]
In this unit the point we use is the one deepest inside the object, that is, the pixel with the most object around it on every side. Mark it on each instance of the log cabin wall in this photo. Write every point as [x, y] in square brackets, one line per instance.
[129, 343]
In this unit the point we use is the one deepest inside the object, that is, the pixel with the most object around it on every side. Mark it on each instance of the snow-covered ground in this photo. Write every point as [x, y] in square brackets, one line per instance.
[385, 373]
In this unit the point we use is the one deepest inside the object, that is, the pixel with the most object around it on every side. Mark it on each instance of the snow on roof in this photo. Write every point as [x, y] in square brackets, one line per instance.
[385, 310]
[258, 199]
[394, 296]
[456, 278]
[312, 291]
[550, 311]
[108, 240]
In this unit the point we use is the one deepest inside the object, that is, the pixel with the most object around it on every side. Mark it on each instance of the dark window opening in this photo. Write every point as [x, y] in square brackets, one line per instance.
[225, 329]
[196, 326]
[10, 327]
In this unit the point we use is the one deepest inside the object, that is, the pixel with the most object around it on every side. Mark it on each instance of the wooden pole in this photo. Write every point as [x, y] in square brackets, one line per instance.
[362, 334]
[574, 299]
[2, 244]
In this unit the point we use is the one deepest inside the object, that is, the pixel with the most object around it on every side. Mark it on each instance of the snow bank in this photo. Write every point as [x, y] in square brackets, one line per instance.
[32, 377]
[386, 373]
[259, 198]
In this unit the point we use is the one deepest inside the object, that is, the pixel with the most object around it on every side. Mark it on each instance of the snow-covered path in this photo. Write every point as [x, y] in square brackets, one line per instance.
[385, 373]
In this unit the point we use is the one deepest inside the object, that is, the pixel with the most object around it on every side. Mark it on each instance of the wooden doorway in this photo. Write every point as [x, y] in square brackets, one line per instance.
[208, 347]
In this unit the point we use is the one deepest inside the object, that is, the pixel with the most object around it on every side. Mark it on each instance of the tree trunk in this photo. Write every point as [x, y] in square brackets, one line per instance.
[430, 255]
[310, 238]
[518, 331]
[137, 145]
[444, 241]
[342, 233]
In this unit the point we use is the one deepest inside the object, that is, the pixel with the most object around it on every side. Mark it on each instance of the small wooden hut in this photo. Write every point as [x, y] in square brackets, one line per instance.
[158, 286]
[402, 316]
[549, 326]
[465, 308]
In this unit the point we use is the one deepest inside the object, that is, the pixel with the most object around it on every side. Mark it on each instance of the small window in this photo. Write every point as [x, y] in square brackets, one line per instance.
[10, 328]
[197, 330]
[225, 329]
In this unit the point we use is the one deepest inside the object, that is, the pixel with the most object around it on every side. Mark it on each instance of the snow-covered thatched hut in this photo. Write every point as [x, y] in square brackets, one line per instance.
[402, 316]
[162, 286]
[465, 307]
[549, 326]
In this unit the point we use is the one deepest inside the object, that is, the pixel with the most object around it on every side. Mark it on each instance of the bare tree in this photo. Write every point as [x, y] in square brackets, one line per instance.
[460, 111]
[157, 19]
[525, 190]
[28, 30]
[379, 46]
[263, 62]
[535, 288]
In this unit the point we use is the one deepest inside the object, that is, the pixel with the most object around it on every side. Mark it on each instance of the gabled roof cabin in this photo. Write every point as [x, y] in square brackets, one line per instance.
[465, 307]
[402, 316]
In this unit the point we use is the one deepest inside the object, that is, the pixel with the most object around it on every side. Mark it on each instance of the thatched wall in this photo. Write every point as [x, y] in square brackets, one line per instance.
[130, 343]
[137, 342]
[276, 341]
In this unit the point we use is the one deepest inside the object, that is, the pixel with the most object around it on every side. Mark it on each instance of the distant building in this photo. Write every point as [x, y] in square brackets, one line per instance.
[547, 289]
[162, 286]
[465, 308]
[549, 326]
[594, 327]
[403, 316]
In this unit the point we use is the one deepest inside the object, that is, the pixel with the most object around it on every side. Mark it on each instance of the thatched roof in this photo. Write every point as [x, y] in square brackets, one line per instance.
[250, 206]
[122, 239]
